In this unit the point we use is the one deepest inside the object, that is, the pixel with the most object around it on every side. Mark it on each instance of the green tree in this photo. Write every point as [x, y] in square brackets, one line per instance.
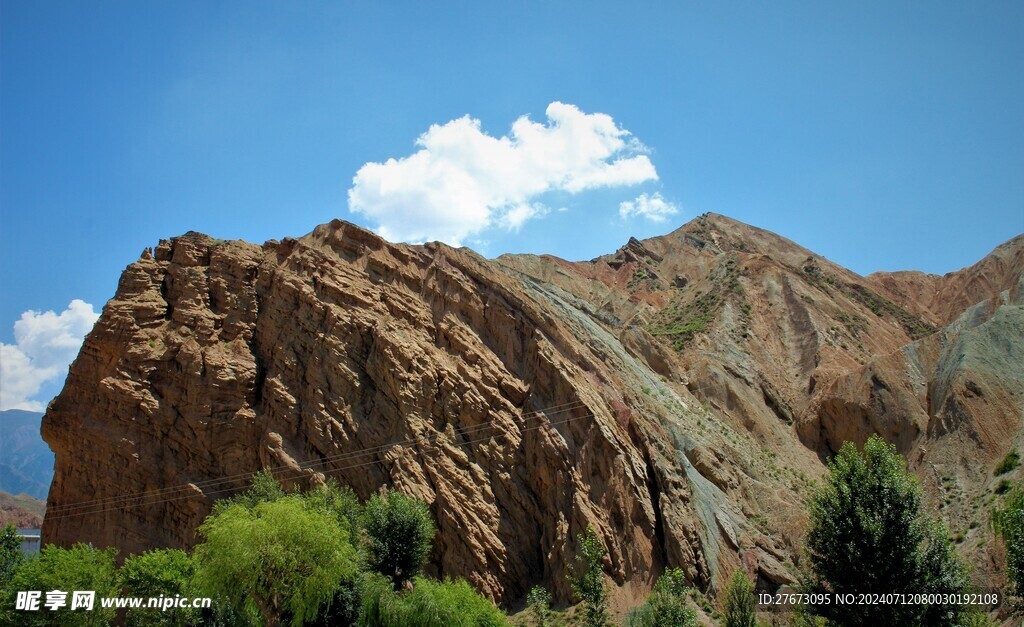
[160, 572]
[264, 489]
[738, 601]
[343, 609]
[400, 531]
[666, 606]
[588, 580]
[1008, 521]
[942, 573]
[867, 535]
[538, 604]
[430, 603]
[81, 568]
[282, 556]
[342, 503]
[10, 554]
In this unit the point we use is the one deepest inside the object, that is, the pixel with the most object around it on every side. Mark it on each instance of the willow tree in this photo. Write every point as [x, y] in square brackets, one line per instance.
[282, 556]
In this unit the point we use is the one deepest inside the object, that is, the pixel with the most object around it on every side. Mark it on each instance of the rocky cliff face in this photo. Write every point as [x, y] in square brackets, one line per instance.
[678, 395]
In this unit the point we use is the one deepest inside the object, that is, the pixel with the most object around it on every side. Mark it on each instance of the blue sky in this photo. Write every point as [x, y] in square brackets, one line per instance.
[883, 135]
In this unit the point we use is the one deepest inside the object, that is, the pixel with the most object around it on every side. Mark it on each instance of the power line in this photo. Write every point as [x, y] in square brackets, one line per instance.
[62, 509]
[297, 476]
[86, 508]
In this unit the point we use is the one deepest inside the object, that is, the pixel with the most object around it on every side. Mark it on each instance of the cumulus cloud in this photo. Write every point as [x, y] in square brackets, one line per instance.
[462, 180]
[654, 208]
[45, 344]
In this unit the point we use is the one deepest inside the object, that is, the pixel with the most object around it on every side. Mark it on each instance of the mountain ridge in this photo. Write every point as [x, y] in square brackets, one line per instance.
[690, 370]
[27, 464]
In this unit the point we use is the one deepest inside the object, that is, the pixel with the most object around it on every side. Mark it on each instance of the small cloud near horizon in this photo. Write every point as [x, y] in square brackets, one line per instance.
[654, 208]
[463, 181]
[45, 345]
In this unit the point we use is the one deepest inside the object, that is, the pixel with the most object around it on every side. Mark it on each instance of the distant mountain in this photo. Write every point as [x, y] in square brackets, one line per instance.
[22, 510]
[26, 464]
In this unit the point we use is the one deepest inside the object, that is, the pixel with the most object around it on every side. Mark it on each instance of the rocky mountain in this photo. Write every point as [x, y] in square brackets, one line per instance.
[27, 462]
[679, 395]
[941, 300]
[22, 511]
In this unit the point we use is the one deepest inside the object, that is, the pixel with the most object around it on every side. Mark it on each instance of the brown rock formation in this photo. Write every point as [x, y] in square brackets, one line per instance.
[677, 395]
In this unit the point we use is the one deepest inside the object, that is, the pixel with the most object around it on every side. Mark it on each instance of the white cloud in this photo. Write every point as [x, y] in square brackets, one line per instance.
[515, 217]
[45, 344]
[462, 180]
[654, 208]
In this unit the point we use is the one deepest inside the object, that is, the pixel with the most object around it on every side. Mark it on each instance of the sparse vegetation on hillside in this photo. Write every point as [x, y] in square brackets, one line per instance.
[667, 604]
[914, 326]
[684, 321]
[687, 315]
[1008, 463]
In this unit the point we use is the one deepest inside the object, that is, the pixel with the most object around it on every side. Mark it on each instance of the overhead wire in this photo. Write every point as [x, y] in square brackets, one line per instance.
[97, 506]
[554, 410]
[142, 502]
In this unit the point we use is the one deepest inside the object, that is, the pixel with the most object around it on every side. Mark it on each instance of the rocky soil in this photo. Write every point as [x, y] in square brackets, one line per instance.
[680, 395]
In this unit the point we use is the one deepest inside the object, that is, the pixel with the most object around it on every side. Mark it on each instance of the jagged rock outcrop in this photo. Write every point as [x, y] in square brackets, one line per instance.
[675, 395]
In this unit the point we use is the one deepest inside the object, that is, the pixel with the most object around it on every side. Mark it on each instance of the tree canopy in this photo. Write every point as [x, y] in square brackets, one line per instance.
[868, 535]
[159, 572]
[80, 567]
[400, 531]
[282, 556]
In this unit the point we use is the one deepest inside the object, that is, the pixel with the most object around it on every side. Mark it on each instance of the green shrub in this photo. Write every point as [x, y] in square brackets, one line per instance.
[738, 601]
[538, 603]
[10, 555]
[666, 606]
[1011, 461]
[400, 531]
[430, 603]
[166, 572]
[79, 568]
[977, 618]
[281, 556]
